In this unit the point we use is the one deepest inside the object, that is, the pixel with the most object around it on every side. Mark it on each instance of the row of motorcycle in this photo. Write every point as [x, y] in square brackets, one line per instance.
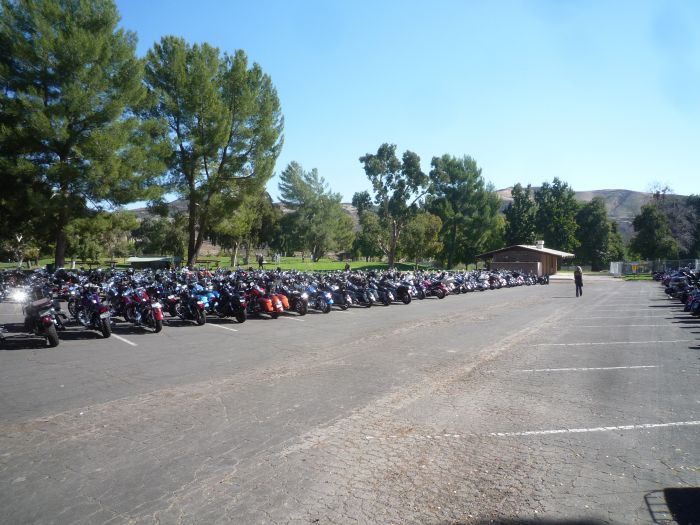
[684, 285]
[95, 299]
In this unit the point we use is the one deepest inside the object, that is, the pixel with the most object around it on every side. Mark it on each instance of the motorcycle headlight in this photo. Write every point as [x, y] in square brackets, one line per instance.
[327, 295]
[304, 295]
[19, 296]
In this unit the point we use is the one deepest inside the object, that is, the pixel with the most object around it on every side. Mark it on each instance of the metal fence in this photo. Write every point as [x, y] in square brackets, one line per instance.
[638, 267]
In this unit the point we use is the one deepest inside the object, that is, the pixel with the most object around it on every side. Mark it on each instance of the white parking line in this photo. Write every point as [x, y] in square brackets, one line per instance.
[624, 316]
[617, 343]
[587, 369]
[123, 340]
[618, 325]
[222, 327]
[595, 429]
[293, 319]
[623, 309]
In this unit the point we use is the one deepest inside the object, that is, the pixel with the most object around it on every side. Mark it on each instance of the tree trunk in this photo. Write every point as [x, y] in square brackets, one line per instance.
[234, 254]
[191, 228]
[392, 243]
[451, 251]
[61, 240]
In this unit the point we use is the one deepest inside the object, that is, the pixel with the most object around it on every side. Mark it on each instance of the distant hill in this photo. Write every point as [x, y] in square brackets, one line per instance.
[622, 205]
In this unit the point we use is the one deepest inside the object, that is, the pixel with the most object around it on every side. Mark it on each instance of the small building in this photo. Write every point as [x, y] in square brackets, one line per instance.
[526, 258]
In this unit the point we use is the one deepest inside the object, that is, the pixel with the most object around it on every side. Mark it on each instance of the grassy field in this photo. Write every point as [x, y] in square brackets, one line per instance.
[638, 277]
[286, 263]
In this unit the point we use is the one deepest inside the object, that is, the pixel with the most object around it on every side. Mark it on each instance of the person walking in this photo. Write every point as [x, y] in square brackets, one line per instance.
[578, 280]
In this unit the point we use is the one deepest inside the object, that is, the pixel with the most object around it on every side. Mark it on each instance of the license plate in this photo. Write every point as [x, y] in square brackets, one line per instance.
[156, 305]
[104, 315]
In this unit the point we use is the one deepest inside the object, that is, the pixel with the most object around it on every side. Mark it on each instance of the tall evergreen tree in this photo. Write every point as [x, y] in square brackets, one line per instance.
[398, 185]
[520, 216]
[225, 128]
[555, 218]
[593, 234]
[653, 239]
[318, 217]
[467, 206]
[71, 95]
[616, 245]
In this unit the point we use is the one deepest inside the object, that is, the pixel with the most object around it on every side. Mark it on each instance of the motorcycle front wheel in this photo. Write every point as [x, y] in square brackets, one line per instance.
[241, 316]
[201, 318]
[52, 336]
[105, 328]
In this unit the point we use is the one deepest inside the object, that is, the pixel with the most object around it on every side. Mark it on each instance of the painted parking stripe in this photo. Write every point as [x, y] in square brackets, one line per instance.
[623, 309]
[293, 319]
[625, 316]
[587, 369]
[124, 340]
[222, 327]
[618, 325]
[618, 343]
[596, 429]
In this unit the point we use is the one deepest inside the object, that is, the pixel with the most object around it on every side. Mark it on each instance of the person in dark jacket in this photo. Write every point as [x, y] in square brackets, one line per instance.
[578, 280]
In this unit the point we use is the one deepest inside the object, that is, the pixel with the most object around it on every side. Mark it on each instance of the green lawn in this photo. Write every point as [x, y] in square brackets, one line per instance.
[287, 263]
[638, 277]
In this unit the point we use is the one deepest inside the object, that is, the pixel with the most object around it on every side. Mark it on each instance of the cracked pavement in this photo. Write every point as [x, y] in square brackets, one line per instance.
[384, 415]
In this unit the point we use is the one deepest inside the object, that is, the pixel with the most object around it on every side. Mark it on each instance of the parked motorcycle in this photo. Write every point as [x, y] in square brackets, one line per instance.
[91, 312]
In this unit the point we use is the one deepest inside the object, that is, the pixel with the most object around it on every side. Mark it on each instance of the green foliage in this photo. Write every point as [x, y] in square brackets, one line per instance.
[467, 207]
[371, 240]
[225, 128]
[398, 185]
[318, 219]
[520, 217]
[420, 237]
[555, 218]
[100, 234]
[653, 239]
[616, 245]
[683, 220]
[71, 102]
[161, 236]
[362, 201]
[593, 234]
[693, 202]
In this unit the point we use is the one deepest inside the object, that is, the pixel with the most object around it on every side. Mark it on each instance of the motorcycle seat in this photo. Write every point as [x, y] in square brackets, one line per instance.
[41, 303]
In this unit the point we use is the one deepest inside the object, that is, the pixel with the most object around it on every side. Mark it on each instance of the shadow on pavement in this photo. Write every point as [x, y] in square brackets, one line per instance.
[15, 338]
[665, 306]
[23, 342]
[674, 505]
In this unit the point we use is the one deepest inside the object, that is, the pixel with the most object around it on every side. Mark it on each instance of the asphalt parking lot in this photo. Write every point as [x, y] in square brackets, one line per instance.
[503, 406]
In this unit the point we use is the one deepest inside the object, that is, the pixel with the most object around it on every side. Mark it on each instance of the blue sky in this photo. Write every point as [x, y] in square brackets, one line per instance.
[604, 95]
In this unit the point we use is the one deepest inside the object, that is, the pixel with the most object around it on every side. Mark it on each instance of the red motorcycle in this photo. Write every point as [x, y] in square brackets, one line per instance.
[144, 311]
[260, 302]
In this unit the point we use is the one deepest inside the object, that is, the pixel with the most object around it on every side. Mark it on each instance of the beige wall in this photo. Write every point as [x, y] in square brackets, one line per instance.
[522, 259]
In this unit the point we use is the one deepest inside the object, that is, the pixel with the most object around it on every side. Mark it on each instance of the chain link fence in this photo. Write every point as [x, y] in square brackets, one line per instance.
[639, 267]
